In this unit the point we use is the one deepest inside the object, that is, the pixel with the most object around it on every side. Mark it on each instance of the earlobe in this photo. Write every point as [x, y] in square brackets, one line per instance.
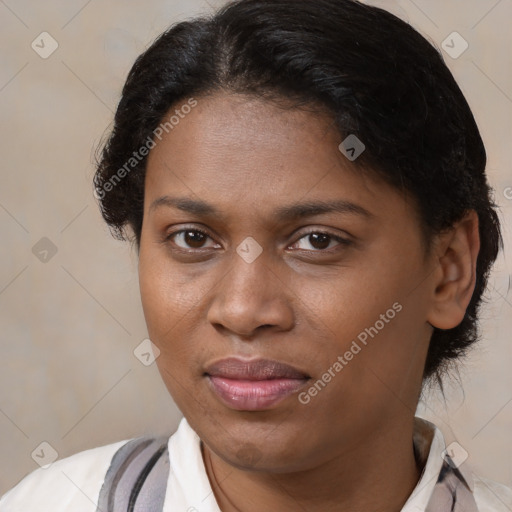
[454, 280]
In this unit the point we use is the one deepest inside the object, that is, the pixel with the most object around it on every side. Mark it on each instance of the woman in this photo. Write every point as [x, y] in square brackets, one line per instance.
[305, 185]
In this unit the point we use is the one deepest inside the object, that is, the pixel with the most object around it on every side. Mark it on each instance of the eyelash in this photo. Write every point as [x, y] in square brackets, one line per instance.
[342, 241]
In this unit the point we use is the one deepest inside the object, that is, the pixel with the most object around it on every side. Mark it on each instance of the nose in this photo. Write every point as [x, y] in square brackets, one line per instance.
[251, 296]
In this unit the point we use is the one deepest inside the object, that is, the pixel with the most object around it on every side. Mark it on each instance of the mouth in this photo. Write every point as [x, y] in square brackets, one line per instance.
[253, 385]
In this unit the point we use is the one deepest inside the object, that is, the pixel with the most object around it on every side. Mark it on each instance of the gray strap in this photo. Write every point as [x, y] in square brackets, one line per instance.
[451, 492]
[151, 492]
[136, 480]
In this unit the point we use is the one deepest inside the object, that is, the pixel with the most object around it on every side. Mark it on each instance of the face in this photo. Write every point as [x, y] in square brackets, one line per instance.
[322, 307]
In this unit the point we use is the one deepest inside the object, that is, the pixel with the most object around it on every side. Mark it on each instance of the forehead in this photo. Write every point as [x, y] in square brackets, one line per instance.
[240, 150]
[233, 126]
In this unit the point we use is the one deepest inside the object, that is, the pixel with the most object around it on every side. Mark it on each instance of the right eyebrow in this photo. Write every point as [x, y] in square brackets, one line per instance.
[197, 207]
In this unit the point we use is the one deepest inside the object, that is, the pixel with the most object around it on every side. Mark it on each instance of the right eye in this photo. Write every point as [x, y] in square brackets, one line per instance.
[189, 239]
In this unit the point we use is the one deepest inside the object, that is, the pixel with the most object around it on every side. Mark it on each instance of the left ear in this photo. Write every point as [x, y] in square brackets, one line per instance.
[453, 281]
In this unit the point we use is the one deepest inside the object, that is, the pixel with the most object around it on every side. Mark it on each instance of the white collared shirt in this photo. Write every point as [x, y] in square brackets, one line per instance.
[74, 483]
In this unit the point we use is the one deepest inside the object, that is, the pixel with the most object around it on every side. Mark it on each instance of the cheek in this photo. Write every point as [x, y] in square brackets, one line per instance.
[166, 294]
[369, 317]
[347, 302]
[171, 302]
[155, 300]
[167, 315]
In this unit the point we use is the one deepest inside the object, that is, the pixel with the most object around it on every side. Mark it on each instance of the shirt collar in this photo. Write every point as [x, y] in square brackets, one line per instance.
[188, 478]
[431, 452]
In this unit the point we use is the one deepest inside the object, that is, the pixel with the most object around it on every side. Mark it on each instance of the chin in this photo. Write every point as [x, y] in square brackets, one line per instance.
[273, 449]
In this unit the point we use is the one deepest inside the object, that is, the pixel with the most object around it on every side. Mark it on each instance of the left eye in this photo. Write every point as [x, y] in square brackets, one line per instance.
[321, 241]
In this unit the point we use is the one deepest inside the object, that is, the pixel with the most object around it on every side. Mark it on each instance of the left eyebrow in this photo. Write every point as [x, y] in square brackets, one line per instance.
[308, 209]
[284, 213]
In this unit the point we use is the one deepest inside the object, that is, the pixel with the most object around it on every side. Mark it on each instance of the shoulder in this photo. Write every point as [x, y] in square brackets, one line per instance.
[71, 483]
[491, 496]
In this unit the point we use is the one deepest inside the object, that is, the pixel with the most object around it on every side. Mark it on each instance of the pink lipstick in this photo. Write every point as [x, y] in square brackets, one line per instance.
[255, 384]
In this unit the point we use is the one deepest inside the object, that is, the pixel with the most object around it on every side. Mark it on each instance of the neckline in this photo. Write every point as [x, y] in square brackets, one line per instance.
[191, 473]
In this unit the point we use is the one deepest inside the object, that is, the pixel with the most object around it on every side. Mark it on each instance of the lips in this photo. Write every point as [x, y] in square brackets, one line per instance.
[258, 369]
[255, 384]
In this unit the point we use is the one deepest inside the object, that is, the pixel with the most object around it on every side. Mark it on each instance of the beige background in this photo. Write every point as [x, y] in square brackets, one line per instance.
[68, 375]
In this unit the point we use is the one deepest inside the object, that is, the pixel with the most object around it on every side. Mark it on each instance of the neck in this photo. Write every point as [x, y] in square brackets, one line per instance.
[378, 475]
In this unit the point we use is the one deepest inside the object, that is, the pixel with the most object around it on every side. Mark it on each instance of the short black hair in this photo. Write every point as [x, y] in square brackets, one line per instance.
[379, 79]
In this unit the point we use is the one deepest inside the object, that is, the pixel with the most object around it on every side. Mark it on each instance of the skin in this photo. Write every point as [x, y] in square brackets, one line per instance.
[299, 302]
